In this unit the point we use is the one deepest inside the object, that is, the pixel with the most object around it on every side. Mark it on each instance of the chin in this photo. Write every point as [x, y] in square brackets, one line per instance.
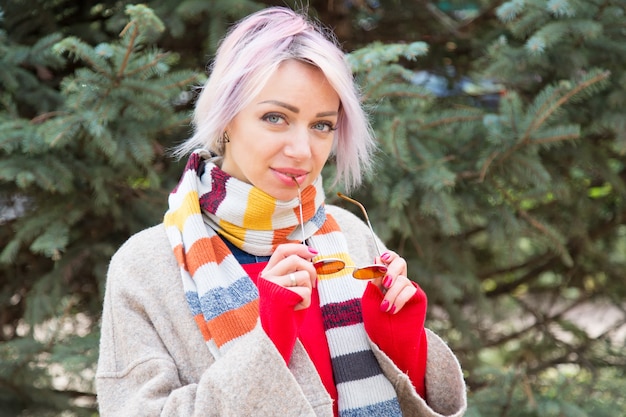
[285, 195]
[281, 193]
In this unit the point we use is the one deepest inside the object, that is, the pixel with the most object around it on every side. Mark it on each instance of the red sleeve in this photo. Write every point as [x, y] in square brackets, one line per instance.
[402, 335]
[276, 311]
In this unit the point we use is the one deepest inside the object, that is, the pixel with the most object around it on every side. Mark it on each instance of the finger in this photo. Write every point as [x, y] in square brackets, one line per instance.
[293, 282]
[395, 270]
[403, 297]
[398, 294]
[304, 274]
[302, 289]
[305, 293]
[387, 281]
[288, 249]
[387, 257]
[286, 265]
[297, 279]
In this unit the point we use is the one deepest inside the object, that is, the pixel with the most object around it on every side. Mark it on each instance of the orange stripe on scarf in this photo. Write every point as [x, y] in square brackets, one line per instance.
[204, 251]
[234, 323]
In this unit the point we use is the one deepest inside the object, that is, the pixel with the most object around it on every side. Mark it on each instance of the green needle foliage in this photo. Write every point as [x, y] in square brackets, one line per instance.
[500, 178]
[81, 174]
[512, 216]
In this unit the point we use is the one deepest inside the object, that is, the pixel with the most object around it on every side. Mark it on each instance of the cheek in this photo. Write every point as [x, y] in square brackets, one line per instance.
[324, 151]
[321, 158]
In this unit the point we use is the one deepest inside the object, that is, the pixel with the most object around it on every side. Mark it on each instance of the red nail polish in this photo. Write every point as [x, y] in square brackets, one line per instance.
[393, 308]
[384, 305]
[313, 251]
[387, 281]
[385, 256]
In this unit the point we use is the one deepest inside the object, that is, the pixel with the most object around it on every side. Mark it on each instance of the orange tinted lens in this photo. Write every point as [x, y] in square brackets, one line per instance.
[370, 272]
[328, 266]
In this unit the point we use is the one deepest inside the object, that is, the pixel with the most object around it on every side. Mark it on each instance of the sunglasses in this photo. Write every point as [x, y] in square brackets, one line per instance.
[326, 266]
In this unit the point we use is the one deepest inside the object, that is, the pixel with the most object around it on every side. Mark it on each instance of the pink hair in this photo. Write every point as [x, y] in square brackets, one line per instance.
[250, 53]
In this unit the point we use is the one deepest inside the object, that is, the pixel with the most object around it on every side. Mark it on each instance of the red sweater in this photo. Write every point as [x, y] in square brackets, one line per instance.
[401, 336]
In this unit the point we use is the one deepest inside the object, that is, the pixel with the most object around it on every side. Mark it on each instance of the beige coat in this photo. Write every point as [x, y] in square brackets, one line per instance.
[154, 362]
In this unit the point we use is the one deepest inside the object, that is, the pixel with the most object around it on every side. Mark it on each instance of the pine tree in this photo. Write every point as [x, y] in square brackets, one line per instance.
[500, 178]
[82, 173]
[510, 208]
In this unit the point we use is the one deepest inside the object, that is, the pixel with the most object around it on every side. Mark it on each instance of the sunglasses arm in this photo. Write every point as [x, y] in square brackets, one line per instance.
[367, 219]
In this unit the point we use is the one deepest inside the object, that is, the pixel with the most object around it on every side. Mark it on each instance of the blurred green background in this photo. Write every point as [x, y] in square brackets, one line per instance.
[500, 178]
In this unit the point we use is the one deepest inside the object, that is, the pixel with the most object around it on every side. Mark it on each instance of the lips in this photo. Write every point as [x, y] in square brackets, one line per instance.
[287, 175]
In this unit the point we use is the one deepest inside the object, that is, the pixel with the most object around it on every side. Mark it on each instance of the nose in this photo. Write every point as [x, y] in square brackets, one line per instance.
[298, 145]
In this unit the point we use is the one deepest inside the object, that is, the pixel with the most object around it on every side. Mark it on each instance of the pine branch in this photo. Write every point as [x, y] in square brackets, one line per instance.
[554, 139]
[549, 262]
[145, 67]
[541, 321]
[459, 29]
[76, 47]
[130, 47]
[552, 106]
[183, 83]
[41, 118]
[413, 236]
[542, 259]
[374, 93]
[544, 262]
[394, 127]
[536, 224]
[450, 120]
[486, 165]
[69, 128]
[445, 20]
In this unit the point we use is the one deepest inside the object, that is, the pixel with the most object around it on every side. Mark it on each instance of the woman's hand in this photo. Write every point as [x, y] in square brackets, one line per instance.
[290, 267]
[396, 286]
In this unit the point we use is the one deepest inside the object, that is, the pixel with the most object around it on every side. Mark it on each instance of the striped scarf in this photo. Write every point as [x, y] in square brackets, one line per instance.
[223, 299]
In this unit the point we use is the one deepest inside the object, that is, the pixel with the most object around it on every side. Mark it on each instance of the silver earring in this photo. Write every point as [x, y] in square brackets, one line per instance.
[225, 138]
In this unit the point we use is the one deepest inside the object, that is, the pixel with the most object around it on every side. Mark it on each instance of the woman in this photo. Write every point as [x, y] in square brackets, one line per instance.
[244, 302]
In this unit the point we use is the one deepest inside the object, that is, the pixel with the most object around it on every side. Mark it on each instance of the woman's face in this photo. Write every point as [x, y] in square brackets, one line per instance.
[286, 131]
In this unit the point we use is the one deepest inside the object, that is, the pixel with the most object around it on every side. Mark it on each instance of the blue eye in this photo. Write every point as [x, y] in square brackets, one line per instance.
[273, 118]
[324, 127]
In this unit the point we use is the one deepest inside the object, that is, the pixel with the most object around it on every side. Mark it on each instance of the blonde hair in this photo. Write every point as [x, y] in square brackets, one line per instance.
[246, 58]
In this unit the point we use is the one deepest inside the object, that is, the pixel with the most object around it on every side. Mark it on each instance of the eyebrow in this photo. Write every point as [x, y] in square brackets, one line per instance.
[294, 109]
